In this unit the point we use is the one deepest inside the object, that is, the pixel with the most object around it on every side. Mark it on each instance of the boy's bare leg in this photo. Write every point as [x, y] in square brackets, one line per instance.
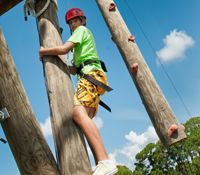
[81, 117]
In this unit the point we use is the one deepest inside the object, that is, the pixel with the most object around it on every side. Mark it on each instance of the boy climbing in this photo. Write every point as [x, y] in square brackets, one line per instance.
[92, 83]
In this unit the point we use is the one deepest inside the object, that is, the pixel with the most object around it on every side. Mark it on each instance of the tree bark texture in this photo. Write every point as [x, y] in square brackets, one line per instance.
[6, 5]
[70, 146]
[152, 97]
[22, 131]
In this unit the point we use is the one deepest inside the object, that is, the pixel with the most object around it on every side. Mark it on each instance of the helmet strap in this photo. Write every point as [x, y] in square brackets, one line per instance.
[81, 18]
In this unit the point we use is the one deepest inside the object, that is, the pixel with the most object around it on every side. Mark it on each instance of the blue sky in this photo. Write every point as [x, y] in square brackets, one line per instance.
[171, 28]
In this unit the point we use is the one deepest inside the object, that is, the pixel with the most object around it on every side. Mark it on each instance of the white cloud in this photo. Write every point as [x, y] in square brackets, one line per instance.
[176, 45]
[148, 136]
[46, 127]
[136, 142]
[98, 121]
[112, 156]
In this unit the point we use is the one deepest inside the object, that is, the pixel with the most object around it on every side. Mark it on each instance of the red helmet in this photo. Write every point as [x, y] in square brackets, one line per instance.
[73, 13]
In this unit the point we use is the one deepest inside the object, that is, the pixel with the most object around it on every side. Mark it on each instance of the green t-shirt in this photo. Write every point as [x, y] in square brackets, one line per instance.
[85, 49]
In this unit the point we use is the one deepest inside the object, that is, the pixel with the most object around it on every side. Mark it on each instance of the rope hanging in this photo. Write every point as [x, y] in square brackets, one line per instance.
[163, 67]
[29, 8]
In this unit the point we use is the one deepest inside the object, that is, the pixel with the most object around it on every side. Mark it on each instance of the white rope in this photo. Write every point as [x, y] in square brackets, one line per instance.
[29, 6]
[2, 116]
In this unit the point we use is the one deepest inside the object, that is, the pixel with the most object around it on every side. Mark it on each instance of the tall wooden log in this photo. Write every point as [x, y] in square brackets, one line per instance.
[152, 97]
[70, 145]
[22, 131]
[6, 5]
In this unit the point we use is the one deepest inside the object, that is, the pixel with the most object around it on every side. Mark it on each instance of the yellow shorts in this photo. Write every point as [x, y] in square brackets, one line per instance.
[88, 94]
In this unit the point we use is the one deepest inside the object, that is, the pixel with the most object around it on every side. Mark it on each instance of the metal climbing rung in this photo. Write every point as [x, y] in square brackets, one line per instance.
[4, 114]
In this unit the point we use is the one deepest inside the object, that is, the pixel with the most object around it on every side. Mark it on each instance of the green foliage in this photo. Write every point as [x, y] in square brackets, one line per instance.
[123, 170]
[182, 158]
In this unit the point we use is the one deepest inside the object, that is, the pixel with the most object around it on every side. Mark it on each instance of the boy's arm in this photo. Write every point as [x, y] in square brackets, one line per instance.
[58, 50]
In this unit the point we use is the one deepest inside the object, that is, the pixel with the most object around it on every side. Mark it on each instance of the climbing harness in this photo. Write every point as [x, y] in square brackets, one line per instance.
[94, 80]
[91, 79]
[91, 62]
[29, 7]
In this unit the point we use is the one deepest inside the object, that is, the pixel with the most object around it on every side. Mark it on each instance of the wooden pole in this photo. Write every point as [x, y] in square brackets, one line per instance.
[154, 101]
[6, 5]
[22, 131]
[70, 145]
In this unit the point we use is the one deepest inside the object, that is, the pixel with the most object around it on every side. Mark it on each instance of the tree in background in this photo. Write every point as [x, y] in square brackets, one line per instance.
[123, 170]
[181, 158]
